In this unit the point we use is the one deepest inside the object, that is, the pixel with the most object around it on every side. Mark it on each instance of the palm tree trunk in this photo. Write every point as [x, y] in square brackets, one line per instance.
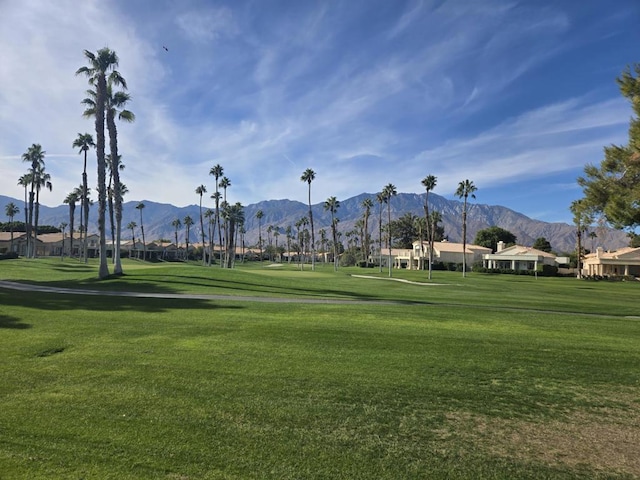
[72, 214]
[116, 193]
[85, 211]
[35, 224]
[103, 271]
[464, 239]
[30, 242]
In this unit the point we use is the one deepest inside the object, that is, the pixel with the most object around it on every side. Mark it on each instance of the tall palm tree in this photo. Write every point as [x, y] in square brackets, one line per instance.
[323, 243]
[367, 204]
[132, 226]
[140, 207]
[84, 142]
[114, 106]
[309, 176]
[289, 233]
[234, 216]
[582, 218]
[217, 171]
[25, 181]
[381, 198]
[331, 205]
[188, 221]
[276, 234]
[210, 216]
[176, 224]
[71, 200]
[11, 211]
[389, 191]
[100, 67]
[465, 189]
[63, 228]
[259, 215]
[42, 180]
[201, 190]
[429, 183]
[35, 156]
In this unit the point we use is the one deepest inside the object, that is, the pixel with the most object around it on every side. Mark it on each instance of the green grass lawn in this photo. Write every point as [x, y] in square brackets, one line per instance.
[482, 377]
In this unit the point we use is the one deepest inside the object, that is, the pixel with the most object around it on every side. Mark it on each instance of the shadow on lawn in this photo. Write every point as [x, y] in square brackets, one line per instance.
[12, 322]
[78, 301]
[258, 287]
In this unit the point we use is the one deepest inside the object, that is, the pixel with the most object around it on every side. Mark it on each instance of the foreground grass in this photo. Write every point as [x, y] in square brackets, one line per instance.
[443, 386]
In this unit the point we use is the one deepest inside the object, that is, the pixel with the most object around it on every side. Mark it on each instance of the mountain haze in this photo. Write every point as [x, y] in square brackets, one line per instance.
[157, 218]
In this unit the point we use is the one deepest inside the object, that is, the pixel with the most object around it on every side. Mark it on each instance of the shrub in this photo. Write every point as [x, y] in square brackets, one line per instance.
[8, 256]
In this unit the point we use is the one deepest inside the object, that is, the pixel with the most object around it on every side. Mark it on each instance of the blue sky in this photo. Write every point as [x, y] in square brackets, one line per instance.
[516, 96]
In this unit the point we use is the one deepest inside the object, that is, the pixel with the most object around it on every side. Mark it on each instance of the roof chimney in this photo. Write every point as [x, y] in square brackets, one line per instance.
[500, 246]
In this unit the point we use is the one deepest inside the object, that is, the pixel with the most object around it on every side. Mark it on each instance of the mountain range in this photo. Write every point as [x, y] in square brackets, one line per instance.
[157, 218]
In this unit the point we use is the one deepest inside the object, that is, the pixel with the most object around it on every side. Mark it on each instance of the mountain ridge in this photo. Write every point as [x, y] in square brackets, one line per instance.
[157, 218]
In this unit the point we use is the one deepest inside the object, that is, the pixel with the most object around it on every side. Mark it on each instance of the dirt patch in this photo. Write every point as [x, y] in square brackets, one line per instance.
[605, 440]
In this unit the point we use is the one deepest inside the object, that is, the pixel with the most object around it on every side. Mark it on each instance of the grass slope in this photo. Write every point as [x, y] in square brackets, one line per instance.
[484, 377]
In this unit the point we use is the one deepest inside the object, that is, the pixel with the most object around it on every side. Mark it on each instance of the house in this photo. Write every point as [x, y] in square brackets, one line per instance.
[518, 258]
[625, 261]
[19, 241]
[443, 252]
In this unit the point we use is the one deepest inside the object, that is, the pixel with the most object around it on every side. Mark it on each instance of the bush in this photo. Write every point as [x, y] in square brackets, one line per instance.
[365, 264]
[348, 259]
[8, 256]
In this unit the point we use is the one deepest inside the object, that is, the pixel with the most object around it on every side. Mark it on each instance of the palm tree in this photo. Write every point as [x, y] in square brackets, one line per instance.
[42, 180]
[289, 233]
[71, 200]
[200, 191]
[84, 142]
[115, 106]
[269, 230]
[465, 189]
[176, 224]
[115, 103]
[582, 218]
[100, 67]
[132, 226]
[332, 204]
[11, 211]
[63, 227]
[429, 183]
[234, 215]
[25, 181]
[381, 198]
[210, 216]
[367, 204]
[259, 215]
[188, 221]
[323, 243]
[309, 176]
[389, 191]
[217, 171]
[35, 156]
[140, 207]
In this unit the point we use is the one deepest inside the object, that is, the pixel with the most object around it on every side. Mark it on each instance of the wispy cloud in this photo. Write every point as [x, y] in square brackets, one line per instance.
[365, 93]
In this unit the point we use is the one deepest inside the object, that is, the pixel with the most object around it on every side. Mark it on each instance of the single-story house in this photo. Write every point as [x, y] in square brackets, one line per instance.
[518, 257]
[19, 239]
[625, 261]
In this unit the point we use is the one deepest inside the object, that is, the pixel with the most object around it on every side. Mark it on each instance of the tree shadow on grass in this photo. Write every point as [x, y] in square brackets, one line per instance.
[12, 322]
[78, 301]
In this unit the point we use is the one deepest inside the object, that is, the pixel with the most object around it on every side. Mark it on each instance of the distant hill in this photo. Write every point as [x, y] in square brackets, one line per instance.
[157, 218]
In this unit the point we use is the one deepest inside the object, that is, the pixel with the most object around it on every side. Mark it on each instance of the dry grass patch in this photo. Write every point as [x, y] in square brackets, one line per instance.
[602, 439]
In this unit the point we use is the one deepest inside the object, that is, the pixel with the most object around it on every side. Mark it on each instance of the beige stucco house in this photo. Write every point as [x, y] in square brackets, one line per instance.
[443, 252]
[518, 258]
[625, 261]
